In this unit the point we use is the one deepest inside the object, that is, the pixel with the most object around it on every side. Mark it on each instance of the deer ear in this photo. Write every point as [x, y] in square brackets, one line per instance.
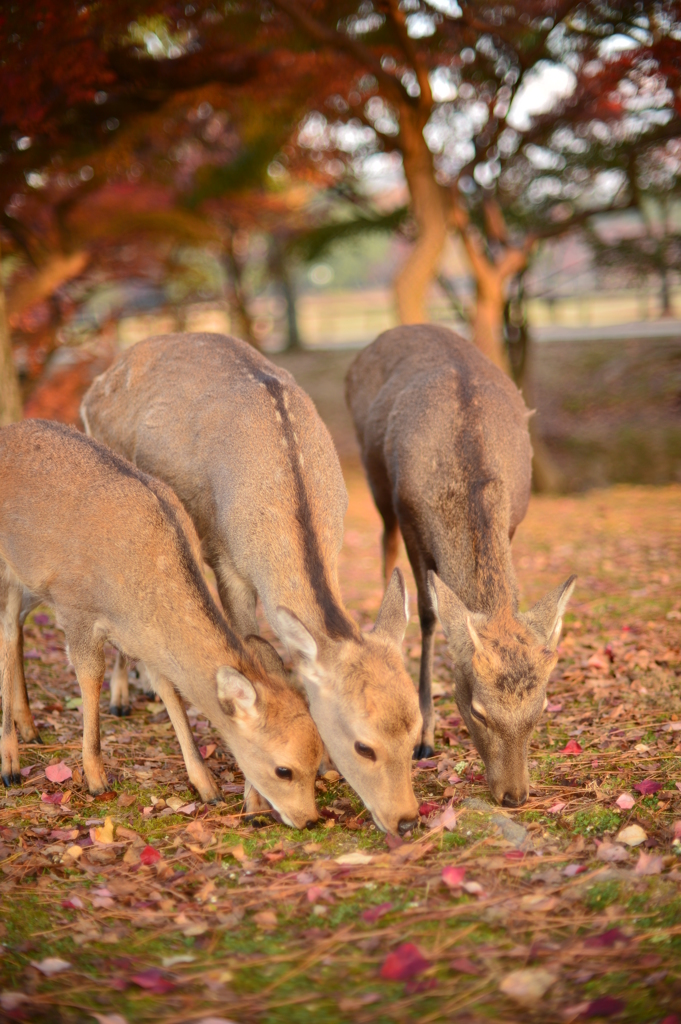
[393, 615]
[457, 622]
[265, 654]
[236, 694]
[300, 644]
[545, 619]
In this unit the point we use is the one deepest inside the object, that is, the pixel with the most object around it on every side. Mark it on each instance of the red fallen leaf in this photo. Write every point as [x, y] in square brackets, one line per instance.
[559, 806]
[372, 915]
[404, 963]
[574, 869]
[149, 855]
[207, 751]
[105, 798]
[58, 772]
[428, 808]
[27, 770]
[648, 787]
[673, 1018]
[51, 798]
[606, 939]
[152, 980]
[453, 877]
[677, 830]
[604, 1006]
[426, 763]
[73, 903]
[514, 854]
[64, 833]
[464, 966]
[610, 652]
[571, 747]
[392, 842]
[554, 707]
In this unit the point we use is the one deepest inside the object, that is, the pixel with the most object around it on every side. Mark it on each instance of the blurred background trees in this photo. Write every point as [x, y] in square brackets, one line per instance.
[154, 155]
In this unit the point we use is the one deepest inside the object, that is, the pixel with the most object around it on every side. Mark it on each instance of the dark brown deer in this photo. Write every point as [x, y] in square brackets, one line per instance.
[446, 449]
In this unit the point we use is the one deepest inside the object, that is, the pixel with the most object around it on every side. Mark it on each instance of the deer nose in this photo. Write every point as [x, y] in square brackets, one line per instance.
[406, 825]
[311, 824]
[513, 801]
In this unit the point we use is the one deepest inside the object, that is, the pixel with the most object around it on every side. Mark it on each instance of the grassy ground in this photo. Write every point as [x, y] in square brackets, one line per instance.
[222, 921]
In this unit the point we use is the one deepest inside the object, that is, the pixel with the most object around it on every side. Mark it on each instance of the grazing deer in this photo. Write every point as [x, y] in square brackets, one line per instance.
[245, 451]
[445, 445]
[115, 554]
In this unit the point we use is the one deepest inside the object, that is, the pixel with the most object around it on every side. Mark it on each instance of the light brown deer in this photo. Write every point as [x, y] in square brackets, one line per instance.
[246, 452]
[115, 554]
[445, 445]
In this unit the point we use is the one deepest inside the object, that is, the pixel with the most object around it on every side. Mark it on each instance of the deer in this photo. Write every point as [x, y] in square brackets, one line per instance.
[244, 449]
[114, 553]
[445, 446]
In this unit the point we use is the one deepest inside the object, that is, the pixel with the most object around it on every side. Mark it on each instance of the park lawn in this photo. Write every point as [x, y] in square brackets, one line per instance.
[194, 914]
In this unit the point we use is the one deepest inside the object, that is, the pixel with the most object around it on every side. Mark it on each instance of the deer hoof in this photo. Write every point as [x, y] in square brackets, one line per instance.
[7, 781]
[423, 750]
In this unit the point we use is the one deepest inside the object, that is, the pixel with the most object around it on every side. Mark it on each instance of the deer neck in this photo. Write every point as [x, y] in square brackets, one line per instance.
[478, 559]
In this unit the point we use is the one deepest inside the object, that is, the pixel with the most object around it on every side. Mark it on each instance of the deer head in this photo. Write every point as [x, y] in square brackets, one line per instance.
[365, 706]
[502, 664]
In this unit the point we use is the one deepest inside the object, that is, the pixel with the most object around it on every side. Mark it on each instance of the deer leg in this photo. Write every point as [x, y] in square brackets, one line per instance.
[119, 703]
[254, 803]
[10, 630]
[22, 710]
[199, 775]
[420, 564]
[87, 657]
[427, 619]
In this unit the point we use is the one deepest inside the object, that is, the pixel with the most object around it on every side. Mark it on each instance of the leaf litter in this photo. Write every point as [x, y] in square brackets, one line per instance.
[163, 909]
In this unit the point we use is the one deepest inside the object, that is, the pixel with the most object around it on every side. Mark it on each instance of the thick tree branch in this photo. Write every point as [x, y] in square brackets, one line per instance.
[397, 18]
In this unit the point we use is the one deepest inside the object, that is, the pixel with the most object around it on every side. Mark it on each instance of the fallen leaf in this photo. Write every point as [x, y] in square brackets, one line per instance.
[356, 857]
[677, 829]
[372, 915]
[331, 776]
[571, 747]
[266, 919]
[51, 965]
[611, 853]
[599, 661]
[58, 772]
[207, 751]
[149, 856]
[648, 864]
[52, 798]
[109, 1018]
[648, 787]
[126, 799]
[27, 770]
[12, 1000]
[103, 835]
[604, 1006]
[73, 902]
[632, 835]
[154, 981]
[606, 940]
[559, 806]
[574, 869]
[528, 985]
[462, 965]
[625, 801]
[453, 877]
[404, 963]
[473, 888]
[189, 809]
[447, 819]
[175, 802]
[427, 808]
[199, 832]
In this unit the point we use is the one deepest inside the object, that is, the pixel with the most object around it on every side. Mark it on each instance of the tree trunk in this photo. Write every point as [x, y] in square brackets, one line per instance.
[428, 205]
[280, 271]
[237, 300]
[488, 322]
[10, 395]
[56, 271]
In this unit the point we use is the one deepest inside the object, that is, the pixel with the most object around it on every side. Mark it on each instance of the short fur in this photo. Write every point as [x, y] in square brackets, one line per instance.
[114, 552]
[247, 454]
[446, 449]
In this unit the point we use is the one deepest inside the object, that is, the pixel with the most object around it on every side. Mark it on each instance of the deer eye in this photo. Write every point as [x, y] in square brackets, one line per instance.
[478, 714]
[283, 773]
[364, 751]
